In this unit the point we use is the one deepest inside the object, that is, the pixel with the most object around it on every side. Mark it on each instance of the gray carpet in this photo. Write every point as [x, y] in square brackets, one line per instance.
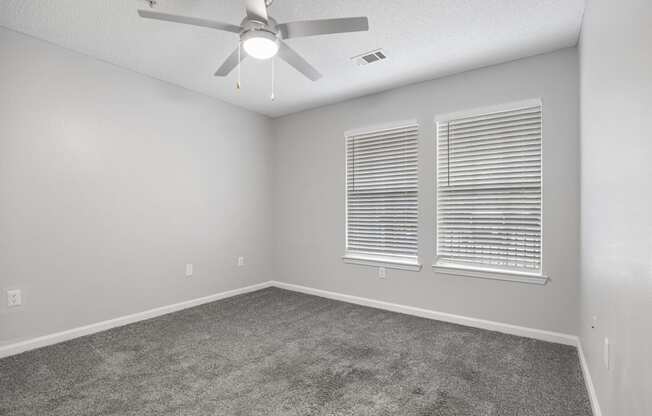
[275, 352]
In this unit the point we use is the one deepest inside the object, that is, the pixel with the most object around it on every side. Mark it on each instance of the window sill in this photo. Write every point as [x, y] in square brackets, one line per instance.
[381, 261]
[520, 277]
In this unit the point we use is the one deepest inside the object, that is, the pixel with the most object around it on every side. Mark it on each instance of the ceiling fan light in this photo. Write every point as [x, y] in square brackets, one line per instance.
[260, 44]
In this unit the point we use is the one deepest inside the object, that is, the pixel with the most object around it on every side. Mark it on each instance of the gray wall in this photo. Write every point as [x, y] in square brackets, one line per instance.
[110, 182]
[309, 195]
[616, 101]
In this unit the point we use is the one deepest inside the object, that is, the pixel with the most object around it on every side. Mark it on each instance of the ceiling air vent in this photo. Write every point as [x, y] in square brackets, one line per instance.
[369, 57]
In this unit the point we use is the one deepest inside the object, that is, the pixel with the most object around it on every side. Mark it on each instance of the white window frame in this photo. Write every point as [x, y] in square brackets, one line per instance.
[375, 260]
[454, 269]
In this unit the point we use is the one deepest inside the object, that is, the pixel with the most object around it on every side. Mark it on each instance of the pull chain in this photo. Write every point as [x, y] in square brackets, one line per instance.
[237, 86]
[273, 97]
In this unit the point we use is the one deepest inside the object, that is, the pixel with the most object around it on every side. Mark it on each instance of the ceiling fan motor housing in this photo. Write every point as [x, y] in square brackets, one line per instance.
[253, 25]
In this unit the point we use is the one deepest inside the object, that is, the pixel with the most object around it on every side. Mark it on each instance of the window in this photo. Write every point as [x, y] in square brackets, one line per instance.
[382, 197]
[489, 216]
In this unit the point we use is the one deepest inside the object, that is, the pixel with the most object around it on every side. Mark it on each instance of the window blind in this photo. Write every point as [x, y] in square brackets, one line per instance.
[382, 193]
[489, 190]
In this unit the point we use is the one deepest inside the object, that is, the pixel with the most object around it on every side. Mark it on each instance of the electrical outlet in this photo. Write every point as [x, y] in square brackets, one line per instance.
[240, 261]
[382, 272]
[605, 353]
[14, 298]
[188, 269]
[594, 322]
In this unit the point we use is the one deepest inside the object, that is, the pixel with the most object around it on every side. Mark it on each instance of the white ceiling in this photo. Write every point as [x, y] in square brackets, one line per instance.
[423, 39]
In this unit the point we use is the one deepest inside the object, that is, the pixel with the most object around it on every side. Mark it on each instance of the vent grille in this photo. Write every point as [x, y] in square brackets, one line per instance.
[370, 57]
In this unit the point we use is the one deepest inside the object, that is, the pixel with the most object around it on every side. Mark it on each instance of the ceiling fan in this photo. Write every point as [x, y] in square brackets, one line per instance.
[262, 37]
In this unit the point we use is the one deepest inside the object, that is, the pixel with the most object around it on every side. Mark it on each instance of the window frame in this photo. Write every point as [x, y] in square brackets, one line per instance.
[370, 259]
[479, 271]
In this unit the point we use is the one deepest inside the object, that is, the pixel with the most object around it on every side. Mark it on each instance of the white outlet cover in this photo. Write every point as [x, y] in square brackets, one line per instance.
[14, 297]
[382, 272]
[188, 270]
[240, 261]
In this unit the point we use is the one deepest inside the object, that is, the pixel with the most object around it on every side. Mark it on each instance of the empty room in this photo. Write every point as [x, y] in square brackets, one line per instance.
[325, 207]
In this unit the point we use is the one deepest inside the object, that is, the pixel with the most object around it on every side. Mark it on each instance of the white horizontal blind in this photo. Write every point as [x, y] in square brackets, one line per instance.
[382, 192]
[489, 190]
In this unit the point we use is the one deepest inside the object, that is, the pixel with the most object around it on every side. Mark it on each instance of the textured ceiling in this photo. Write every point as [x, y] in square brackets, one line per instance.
[423, 39]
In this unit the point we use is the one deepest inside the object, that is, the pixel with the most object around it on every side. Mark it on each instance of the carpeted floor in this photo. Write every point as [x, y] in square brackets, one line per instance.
[275, 352]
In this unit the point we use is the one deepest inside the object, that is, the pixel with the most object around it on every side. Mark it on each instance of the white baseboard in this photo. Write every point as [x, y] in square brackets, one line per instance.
[69, 334]
[593, 397]
[522, 331]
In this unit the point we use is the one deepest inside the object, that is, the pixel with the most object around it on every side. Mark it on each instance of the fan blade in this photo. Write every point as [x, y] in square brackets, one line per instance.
[297, 62]
[323, 27]
[194, 21]
[256, 9]
[230, 63]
